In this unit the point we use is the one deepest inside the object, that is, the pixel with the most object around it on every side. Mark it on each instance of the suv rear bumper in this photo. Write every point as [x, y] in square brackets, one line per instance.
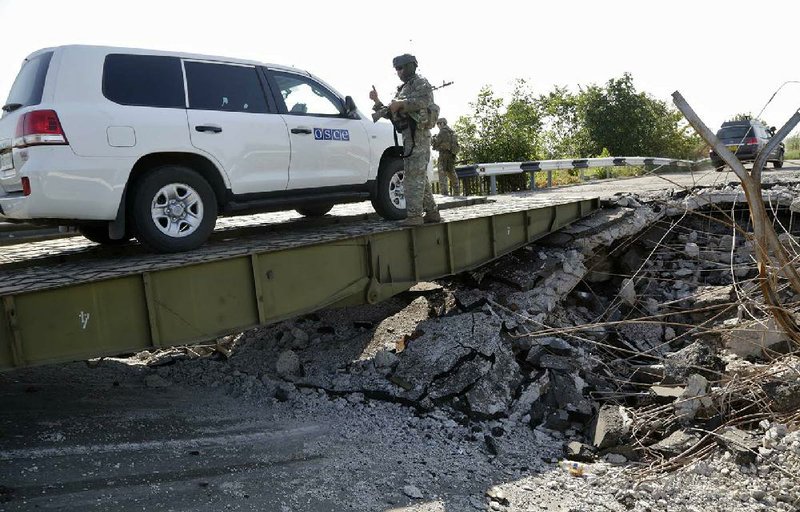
[63, 185]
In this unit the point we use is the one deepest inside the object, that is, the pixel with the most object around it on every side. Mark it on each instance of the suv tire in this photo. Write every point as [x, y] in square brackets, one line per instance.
[98, 233]
[174, 209]
[317, 210]
[777, 164]
[389, 199]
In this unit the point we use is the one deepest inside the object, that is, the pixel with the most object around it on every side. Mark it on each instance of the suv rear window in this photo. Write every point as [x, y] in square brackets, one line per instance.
[224, 87]
[735, 132]
[29, 84]
[144, 80]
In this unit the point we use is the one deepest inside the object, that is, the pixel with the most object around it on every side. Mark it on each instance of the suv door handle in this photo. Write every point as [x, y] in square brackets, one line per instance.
[306, 131]
[208, 128]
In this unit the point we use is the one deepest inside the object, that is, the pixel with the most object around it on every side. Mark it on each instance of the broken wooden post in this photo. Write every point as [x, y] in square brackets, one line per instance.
[763, 231]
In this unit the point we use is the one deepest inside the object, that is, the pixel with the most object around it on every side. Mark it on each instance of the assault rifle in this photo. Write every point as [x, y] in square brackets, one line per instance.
[384, 111]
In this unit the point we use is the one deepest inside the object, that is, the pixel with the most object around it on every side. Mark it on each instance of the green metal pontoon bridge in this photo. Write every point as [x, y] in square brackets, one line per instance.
[69, 302]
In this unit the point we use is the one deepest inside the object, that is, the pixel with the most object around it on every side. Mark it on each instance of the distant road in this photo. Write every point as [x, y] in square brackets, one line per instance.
[657, 182]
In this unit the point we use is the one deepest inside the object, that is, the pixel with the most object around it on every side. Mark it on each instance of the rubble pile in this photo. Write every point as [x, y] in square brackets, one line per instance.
[638, 337]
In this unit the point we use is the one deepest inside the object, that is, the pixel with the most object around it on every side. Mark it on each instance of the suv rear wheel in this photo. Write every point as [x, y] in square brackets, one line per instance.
[389, 199]
[174, 209]
[779, 162]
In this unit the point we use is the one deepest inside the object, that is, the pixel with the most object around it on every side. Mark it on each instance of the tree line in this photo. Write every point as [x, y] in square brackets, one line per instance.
[612, 119]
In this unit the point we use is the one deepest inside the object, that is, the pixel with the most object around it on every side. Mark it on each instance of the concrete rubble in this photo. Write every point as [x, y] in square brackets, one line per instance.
[526, 343]
[620, 342]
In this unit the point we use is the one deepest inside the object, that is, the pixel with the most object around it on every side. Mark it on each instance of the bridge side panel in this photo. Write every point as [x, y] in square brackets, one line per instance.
[469, 239]
[202, 301]
[100, 318]
[302, 280]
[509, 232]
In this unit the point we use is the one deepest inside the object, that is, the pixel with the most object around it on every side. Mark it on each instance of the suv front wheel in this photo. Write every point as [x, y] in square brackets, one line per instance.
[174, 209]
[389, 199]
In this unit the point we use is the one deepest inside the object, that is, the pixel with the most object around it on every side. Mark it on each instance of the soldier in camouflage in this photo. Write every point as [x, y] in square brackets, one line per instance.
[446, 143]
[410, 113]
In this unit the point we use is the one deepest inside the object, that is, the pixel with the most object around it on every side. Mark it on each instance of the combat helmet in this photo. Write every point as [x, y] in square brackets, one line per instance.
[402, 60]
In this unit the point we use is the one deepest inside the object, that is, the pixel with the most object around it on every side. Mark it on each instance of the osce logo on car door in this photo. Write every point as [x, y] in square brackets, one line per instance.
[331, 134]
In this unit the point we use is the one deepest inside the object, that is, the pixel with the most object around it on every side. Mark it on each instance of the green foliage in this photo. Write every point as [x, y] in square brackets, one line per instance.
[793, 143]
[613, 119]
[563, 134]
[742, 116]
[631, 123]
[499, 133]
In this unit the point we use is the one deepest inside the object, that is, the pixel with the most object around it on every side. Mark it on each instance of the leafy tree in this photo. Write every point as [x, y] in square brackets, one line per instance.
[793, 142]
[563, 134]
[631, 123]
[612, 119]
[742, 117]
[499, 133]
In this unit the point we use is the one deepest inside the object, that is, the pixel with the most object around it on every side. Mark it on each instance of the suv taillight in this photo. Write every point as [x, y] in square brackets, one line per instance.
[39, 127]
[751, 140]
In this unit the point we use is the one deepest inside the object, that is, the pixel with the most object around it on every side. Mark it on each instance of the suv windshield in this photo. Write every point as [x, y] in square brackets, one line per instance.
[29, 84]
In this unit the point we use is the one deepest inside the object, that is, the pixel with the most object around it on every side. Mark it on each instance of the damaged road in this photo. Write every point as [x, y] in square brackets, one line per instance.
[630, 343]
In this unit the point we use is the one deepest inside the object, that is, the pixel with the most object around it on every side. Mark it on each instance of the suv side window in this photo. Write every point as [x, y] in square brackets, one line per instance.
[224, 87]
[29, 84]
[144, 80]
[302, 95]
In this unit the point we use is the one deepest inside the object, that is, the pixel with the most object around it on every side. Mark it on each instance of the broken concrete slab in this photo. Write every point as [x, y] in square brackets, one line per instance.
[676, 443]
[531, 393]
[580, 452]
[647, 337]
[566, 393]
[611, 427]
[698, 357]
[552, 362]
[742, 445]
[754, 339]
[288, 365]
[711, 301]
[470, 298]
[785, 395]
[524, 269]
[693, 399]
[666, 394]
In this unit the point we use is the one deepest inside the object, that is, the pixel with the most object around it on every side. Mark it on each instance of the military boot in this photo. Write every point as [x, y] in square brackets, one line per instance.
[432, 216]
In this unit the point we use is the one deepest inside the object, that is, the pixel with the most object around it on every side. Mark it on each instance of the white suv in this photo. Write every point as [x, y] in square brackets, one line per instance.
[127, 143]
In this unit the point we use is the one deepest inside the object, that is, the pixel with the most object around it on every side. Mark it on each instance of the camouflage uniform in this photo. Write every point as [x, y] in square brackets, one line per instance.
[446, 143]
[417, 95]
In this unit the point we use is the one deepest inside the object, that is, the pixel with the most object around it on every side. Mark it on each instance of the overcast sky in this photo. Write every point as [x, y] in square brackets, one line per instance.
[725, 57]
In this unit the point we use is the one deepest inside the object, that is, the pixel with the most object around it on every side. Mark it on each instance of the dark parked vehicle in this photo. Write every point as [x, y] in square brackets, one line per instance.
[746, 139]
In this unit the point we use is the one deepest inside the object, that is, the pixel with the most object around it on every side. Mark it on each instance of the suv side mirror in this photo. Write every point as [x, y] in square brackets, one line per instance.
[772, 130]
[349, 106]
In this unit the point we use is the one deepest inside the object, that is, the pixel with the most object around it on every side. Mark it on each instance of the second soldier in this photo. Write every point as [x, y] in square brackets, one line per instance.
[446, 143]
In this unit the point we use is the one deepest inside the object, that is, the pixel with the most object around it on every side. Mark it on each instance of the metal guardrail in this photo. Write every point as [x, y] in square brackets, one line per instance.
[492, 170]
